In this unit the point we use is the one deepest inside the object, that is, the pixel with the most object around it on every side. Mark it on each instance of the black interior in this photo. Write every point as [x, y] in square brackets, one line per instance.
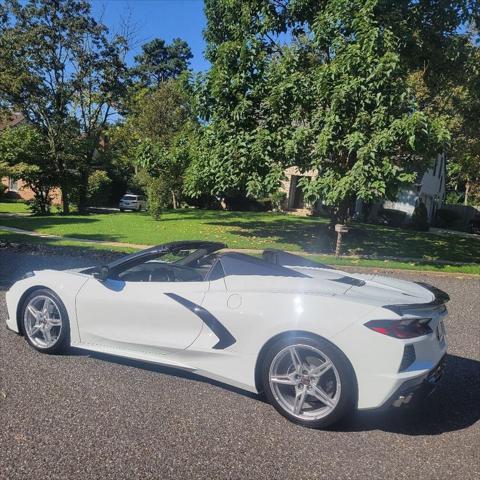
[192, 268]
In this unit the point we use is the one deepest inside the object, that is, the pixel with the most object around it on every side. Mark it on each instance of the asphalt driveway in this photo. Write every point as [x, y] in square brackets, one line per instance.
[94, 416]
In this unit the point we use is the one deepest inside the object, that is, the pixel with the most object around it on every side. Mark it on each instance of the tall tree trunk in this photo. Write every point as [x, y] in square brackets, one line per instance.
[83, 192]
[62, 176]
[467, 192]
[174, 200]
[338, 246]
[340, 217]
[65, 198]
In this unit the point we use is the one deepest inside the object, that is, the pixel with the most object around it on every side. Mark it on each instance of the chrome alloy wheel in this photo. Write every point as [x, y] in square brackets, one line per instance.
[305, 382]
[43, 321]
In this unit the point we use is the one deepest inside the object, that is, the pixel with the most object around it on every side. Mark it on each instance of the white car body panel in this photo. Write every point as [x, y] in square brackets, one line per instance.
[132, 202]
[170, 322]
[106, 312]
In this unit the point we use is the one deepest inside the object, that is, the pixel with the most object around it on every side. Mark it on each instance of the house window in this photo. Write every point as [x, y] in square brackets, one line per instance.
[12, 185]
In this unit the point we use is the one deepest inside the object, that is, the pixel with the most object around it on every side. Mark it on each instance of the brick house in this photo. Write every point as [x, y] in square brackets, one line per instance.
[17, 189]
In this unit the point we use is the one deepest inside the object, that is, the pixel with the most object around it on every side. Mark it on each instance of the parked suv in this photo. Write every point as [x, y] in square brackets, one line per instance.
[132, 202]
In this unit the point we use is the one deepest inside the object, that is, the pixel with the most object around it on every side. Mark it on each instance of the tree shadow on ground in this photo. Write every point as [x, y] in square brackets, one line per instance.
[47, 221]
[309, 237]
[377, 240]
[364, 240]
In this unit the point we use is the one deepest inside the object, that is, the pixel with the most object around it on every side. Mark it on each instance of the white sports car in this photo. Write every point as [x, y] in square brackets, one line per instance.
[318, 342]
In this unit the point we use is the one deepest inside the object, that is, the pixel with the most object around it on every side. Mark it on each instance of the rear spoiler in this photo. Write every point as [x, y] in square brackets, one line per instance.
[440, 299]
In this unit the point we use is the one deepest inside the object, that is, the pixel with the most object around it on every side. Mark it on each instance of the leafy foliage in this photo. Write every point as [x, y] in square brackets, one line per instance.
[332, 100]
[24, 151]
[440, 49]
[164, 131]
[98, 187]
[59, 67]
[159, 61]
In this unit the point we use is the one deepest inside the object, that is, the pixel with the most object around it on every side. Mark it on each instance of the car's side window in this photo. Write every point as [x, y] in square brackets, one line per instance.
[183, 266]
[155, 271]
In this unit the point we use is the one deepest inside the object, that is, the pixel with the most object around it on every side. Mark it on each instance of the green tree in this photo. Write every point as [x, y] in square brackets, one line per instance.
[332, 99]
[59, 67]
[439, 46]
[463, 112]
[25, 154]
[164, 131]
[160, 61]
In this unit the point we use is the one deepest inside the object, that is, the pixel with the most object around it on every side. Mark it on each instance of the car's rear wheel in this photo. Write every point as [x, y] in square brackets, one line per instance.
[309, 381]
[45, 322]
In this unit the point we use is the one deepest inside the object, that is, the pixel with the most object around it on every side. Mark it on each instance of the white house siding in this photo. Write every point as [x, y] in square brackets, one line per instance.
[431, 190]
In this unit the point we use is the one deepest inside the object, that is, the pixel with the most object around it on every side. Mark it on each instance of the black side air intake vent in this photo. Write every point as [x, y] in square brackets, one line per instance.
[408, 357]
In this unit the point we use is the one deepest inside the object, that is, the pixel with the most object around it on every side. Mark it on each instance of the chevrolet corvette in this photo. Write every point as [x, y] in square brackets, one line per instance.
[317, 342]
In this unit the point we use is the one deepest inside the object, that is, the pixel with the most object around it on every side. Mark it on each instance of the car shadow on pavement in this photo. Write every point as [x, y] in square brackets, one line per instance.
[162, 369]
[454, 405]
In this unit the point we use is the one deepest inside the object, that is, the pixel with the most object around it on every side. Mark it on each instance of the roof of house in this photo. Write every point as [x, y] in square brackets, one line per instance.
[11, 120]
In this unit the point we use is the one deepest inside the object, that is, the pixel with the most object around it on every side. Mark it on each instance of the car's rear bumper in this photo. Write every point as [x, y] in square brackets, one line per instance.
[412, 391]
[128, 206]
[390, 364]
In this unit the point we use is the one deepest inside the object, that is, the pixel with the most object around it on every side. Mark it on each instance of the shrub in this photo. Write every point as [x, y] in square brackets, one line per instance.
[40, 204]
[420, 218]
[392, 217]
[98, 187]
[159, 197]
[278, 199]
[446, 218]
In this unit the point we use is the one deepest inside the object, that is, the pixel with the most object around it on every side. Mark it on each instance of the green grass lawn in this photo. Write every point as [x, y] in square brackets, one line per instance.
[255, 230]
[13, 206]
[82, 248]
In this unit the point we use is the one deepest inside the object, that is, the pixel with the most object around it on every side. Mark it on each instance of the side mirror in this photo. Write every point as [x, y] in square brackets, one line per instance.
[102, 274]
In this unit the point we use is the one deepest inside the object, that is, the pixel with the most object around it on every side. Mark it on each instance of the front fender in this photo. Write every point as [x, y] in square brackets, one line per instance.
[65, 284]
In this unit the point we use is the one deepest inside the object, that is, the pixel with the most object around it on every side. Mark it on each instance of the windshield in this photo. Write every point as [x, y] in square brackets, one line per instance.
[129, 197]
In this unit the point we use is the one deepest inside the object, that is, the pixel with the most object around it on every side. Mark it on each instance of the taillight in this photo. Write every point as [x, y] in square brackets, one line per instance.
[405, 328]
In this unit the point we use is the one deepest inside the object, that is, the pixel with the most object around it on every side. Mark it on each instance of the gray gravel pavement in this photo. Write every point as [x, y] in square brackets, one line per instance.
[91, 416]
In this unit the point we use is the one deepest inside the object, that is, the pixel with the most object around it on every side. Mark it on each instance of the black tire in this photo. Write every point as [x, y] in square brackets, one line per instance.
[347, 399]
[63, 341]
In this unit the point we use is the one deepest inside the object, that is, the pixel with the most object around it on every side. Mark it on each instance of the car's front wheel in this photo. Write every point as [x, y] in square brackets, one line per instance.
[309, 381]
[44, 322]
